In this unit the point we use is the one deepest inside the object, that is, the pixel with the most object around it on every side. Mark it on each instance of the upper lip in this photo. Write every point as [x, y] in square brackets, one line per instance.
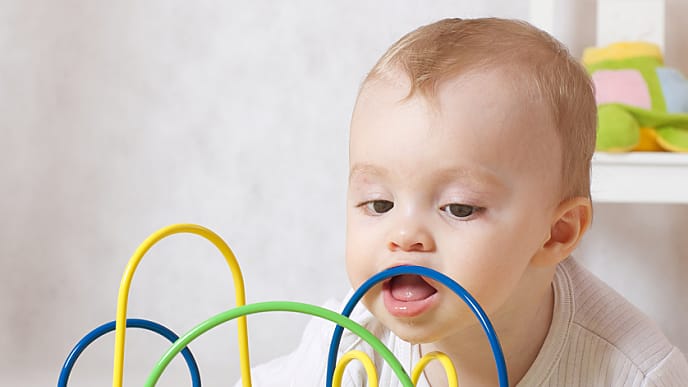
[388, 280]
[426, 279]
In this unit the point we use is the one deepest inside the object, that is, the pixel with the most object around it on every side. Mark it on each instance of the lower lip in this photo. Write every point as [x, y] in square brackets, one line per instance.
[400, 308]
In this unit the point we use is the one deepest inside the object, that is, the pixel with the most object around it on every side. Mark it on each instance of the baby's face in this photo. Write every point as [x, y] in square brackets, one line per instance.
[467, 186]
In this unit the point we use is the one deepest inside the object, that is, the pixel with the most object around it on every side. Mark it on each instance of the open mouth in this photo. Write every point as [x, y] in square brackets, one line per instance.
[407, 295]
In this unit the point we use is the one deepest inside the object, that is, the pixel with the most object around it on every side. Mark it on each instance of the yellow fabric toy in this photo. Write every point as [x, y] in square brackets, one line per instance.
[642, 104]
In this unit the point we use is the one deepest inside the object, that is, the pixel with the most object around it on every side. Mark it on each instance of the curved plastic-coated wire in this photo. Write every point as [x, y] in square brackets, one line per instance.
[444, 280]
[131, 323]
[449, 370]
[118, 367]
[280, 306]
[368, 364]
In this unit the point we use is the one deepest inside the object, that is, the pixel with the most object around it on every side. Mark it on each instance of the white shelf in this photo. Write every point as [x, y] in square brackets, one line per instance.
[640, 177]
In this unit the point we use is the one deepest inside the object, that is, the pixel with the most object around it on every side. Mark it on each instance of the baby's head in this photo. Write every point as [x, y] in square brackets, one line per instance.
[539, 67]
[469, 153]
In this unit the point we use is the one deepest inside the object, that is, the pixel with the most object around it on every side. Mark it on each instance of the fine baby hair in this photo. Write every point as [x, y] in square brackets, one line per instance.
[539, 65]
[335, 369]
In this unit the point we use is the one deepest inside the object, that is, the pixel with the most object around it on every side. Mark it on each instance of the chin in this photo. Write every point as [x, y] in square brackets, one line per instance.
[415, 332]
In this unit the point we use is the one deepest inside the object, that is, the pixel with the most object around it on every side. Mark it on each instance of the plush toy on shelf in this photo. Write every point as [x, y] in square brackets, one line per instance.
[642, 104]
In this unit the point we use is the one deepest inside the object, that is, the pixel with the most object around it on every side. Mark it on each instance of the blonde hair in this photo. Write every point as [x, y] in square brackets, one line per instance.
[451, 47]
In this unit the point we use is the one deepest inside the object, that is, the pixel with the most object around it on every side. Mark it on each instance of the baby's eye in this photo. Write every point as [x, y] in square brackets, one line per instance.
[378, 206]
[460, 210]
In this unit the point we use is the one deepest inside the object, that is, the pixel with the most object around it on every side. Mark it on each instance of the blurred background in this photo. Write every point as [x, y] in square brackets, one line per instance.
[119, 118]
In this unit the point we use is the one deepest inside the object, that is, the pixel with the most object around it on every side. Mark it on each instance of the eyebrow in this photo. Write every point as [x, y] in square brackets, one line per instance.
[448, 174]
[482, 174]
[366, 169]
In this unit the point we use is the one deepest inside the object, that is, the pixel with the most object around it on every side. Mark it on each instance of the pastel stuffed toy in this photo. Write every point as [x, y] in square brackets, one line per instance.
[642, 105]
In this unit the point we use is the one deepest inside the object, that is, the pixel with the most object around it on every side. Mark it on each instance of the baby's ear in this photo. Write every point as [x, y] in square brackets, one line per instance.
[571, 220]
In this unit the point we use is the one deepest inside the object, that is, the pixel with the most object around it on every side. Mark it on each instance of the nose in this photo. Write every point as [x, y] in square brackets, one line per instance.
[410, 236]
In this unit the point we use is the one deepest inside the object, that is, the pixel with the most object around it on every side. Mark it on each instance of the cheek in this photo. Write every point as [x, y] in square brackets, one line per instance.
[358, 251]
[490, 265]
[517, 233]
[353, 271]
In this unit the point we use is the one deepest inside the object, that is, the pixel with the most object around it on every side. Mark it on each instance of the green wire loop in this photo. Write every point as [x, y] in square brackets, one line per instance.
[279, 306]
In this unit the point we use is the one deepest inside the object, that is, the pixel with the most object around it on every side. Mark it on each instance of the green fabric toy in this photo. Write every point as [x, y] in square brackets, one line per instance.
[642, 105]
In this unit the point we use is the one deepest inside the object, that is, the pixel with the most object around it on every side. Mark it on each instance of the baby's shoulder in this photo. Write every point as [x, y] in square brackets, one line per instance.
[606, 334]
[606, 318]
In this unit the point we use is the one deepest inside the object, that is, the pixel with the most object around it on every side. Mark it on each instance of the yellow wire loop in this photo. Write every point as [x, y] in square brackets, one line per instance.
[348, 357]
[122, 299]
[452, 378]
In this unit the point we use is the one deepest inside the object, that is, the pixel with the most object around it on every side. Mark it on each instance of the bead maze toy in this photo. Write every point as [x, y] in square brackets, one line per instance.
[335, 370]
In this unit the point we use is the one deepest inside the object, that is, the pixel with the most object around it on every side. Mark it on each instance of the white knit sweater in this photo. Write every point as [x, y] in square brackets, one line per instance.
[597, 338]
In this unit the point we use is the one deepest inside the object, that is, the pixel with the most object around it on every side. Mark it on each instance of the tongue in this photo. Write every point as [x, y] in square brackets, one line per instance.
[409, 287]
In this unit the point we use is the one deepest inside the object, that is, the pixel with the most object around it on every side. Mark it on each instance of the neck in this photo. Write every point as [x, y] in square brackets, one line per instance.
[521, 328]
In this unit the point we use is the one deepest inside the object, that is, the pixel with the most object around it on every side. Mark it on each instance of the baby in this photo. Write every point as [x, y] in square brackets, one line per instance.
[469, 153]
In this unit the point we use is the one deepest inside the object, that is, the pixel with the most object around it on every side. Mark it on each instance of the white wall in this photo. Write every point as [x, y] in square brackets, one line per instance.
[119, 118]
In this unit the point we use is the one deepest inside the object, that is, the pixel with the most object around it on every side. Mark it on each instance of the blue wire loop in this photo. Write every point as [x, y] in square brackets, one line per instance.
[437, 276]
[131, 323]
